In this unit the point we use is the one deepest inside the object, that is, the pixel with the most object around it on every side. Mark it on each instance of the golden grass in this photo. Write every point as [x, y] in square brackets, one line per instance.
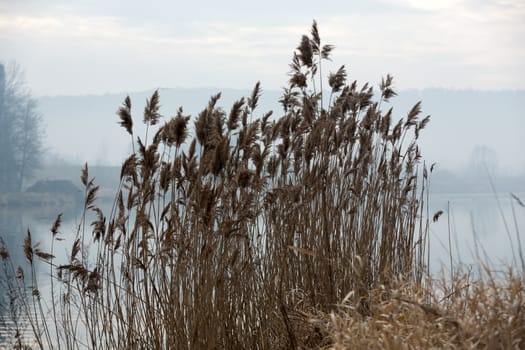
[487, 313]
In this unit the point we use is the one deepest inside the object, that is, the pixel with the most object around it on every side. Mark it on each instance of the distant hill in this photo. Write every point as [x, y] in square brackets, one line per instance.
[84, 128]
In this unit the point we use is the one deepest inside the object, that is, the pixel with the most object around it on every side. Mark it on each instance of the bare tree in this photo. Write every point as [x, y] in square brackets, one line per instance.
[20, 130]
[483, 159]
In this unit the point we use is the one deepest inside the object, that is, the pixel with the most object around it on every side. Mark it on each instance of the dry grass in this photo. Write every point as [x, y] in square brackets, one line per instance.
[235, 233]
[488, 313]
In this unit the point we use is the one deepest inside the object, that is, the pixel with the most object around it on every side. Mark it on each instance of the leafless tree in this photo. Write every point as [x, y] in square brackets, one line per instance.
[20, 130]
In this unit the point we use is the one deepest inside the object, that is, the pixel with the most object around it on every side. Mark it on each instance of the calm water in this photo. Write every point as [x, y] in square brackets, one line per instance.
[487, 221]
[470, 219]
[14, 224]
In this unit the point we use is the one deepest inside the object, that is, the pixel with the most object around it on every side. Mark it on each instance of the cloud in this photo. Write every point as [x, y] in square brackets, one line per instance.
[427, 44]
[194, 36]
[110, 52]
[430, 5]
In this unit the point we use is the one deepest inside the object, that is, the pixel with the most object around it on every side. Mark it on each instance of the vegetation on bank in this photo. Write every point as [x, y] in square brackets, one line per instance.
[309, 230]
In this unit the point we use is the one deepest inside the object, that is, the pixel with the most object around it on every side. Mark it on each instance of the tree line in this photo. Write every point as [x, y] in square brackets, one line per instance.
[20, 130]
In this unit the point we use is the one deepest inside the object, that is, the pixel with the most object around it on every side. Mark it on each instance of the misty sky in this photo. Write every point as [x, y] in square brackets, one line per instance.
[94, 47]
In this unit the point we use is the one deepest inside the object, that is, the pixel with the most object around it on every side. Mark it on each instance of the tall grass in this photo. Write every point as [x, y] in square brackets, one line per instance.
[230, 228]
[465, 313]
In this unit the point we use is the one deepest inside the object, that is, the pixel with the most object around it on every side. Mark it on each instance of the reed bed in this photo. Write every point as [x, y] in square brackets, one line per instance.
[239, 230]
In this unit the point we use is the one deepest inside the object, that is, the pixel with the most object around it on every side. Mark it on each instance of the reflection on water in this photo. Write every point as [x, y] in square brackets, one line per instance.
[14, 224]
[484, 225]
[470, 215]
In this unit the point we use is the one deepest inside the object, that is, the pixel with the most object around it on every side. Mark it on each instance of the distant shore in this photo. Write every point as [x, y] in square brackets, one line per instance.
[54, 200]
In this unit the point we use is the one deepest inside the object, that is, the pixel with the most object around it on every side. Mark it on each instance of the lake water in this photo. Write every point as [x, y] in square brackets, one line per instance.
[14, 224]
[487, 221]
[484, 220]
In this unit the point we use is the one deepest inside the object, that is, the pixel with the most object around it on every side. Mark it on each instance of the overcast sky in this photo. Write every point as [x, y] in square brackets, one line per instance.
[93, 47]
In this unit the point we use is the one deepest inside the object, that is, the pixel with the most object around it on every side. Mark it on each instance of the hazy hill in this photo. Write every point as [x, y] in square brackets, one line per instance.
[84, 128]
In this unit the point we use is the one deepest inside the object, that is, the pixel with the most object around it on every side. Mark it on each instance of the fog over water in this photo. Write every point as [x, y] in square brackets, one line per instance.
[468, 128]
[480, 225]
